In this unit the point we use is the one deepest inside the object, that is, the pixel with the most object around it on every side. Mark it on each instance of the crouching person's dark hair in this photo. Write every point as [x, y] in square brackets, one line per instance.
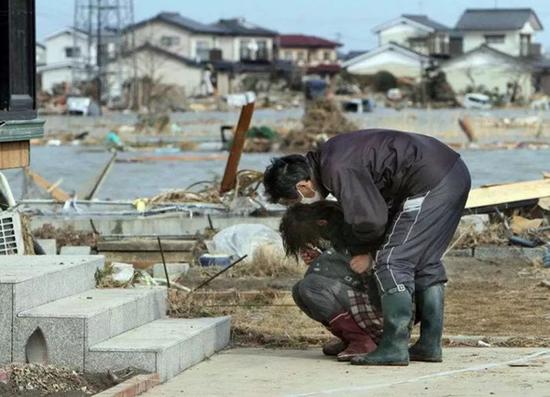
[281, 177]
[307, 225]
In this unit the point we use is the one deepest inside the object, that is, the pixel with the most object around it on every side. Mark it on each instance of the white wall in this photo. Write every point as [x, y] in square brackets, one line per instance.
[55, 76]
[487, 70]
[55, 48]
[511, 44]
[394, 62]
[400, 34]
[154, 31]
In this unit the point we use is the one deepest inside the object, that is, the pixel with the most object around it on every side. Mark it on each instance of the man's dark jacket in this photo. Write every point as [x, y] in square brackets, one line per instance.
[371, 172]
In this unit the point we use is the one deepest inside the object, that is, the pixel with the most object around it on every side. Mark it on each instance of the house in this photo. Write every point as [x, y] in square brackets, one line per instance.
[40, 54]
[420, 34]
[488, 69]
[155, 69]
[314, 55]
[233, 40]
[68, 58]
[391, 57]
[508, 30]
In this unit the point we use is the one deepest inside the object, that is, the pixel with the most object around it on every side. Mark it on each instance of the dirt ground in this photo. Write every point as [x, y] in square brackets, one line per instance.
[484, 298]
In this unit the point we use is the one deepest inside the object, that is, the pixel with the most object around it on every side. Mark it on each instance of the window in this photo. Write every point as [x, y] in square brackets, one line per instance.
[301, 55]
[254, 50]
[287, 55]
[525, 45]
[494, 38]
[72, 52]
[169, 41]
[327, 56]
[262, 52]
[203, 50]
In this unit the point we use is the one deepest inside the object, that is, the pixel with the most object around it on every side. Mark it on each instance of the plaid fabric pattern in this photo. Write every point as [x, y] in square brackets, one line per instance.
[366, 315]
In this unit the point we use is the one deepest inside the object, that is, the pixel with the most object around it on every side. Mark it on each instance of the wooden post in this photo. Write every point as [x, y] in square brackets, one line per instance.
[230, 175]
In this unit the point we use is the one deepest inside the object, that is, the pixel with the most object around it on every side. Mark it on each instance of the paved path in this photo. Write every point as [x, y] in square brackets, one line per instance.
[466, 372]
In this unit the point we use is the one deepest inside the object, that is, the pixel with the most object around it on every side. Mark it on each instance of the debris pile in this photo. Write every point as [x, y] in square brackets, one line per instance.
[248, 182]
[322, 120]
[38, 379]
[66, 235]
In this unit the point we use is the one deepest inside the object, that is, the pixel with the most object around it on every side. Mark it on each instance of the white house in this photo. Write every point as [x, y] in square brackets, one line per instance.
[509, 30]
[391, 57]
[418, 33]
[67, 58]
[491, 69]
[232, 40]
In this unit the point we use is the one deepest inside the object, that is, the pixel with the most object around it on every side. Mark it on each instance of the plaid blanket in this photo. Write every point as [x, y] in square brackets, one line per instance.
[365, 314]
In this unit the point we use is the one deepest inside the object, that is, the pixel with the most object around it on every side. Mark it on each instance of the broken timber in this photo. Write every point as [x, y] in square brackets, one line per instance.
[512, 195]
[230, 174]
[56, 192]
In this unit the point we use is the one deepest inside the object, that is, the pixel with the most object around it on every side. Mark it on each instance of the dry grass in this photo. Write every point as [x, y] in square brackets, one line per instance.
[268, 261]
[494, 234]
[268, 318]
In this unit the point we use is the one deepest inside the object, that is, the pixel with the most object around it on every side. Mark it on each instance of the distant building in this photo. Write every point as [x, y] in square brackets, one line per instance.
[509, 30]
[392, 57]
[493, 49]
[233, 40]
[68, 58]
[420, 34]
[315, 55]
[40, 54]
[491, 69]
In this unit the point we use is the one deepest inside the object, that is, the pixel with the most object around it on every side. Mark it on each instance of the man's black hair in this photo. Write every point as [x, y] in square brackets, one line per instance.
[281, 177]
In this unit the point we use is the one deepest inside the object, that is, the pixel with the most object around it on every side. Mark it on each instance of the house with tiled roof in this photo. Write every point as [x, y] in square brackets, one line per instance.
[509, 30]
[231, 40]
[418, 33]
[313, 54]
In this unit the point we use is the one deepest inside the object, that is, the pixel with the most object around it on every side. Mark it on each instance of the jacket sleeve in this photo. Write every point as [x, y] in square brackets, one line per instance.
[364, 207]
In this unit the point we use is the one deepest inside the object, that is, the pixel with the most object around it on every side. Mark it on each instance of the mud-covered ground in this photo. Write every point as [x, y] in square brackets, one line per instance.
[484, 298]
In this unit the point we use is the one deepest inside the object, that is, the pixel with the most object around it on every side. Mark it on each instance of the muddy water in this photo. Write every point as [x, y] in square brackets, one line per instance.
[76, 168]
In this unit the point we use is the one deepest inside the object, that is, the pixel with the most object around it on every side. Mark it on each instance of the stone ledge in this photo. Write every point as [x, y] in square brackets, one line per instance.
[132, 387]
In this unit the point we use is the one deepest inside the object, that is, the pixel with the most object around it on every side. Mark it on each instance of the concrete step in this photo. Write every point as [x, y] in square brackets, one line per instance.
[166, 346]
[30, 281]
[72, 324]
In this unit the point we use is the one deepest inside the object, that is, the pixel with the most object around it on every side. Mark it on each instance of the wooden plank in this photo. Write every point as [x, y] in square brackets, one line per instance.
[100, 178]
[57, 193]
[232, 166]
[141, 245]
[14, 154]
[508, 193]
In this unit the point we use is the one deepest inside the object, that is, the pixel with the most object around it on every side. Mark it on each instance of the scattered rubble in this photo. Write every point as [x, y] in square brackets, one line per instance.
[40, 380]
[322, 119]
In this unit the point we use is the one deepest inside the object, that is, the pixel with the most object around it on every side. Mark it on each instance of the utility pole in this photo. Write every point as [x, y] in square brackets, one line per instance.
[103, 24]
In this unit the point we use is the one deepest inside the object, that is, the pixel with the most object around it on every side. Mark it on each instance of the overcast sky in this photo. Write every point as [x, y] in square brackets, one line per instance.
[350, 21]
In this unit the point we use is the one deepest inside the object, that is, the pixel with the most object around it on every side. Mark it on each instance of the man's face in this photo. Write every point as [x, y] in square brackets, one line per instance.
[307, 194]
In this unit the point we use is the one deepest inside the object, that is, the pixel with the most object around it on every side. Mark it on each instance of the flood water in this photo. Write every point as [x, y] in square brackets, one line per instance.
[76, 167]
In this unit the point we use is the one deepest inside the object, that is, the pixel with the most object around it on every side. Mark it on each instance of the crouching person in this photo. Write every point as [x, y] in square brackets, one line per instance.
[331, 293]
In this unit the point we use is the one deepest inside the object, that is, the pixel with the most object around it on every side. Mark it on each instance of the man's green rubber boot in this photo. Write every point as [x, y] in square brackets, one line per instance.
[394, 347]
[430, 305]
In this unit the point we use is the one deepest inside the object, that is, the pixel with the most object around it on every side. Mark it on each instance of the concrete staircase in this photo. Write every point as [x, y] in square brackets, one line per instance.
[52, 312]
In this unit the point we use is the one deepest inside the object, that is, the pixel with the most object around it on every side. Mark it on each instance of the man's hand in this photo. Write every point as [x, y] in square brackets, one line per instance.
[361, 263]
[308, 255]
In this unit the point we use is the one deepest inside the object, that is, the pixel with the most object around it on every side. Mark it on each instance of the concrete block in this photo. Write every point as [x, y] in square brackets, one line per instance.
[64, 339]
[41, 279]
[102, 314]
[48, 245]
[75, 250]
[509, 252]
[175, 344]
[174, 269]
[461, 252]
[6, 314]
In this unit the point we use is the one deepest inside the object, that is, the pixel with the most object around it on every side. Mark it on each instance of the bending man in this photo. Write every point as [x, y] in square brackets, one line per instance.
[404, 192]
